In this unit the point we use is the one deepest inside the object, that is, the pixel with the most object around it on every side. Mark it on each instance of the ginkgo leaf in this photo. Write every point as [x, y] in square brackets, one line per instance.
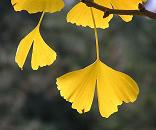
[81, 15]
[125, 5]
[78, 87]
[42, 54]
[113, 88]
[34, 6]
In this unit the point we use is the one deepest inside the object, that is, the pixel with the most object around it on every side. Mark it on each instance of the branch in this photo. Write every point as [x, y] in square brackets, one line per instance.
[140, 12]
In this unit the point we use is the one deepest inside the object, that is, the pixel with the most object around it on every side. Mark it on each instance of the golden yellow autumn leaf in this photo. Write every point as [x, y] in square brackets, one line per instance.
[42, 54]
[124, 5]
[113, 88]
[34, 6]
[80, 13]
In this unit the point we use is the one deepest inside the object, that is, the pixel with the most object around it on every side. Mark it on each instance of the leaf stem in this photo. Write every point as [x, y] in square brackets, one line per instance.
[41, 18]
[96, 35]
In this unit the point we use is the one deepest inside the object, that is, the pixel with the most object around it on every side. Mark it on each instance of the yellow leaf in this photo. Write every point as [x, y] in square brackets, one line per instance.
[81, 15]
[78, 87]
[113, 88]
[42, 54]
[34, 6]
[126, 5]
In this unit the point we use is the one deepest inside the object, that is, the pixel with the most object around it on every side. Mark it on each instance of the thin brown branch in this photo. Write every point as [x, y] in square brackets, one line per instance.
[107, 11]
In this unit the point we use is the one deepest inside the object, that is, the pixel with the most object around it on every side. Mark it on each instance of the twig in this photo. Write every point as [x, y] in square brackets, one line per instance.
[107, 11]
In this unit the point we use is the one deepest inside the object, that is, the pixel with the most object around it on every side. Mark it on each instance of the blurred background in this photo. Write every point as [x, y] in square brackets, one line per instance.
[29, 100]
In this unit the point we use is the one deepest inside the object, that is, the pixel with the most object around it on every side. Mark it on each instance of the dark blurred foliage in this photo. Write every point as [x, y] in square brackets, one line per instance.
[29, 100]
